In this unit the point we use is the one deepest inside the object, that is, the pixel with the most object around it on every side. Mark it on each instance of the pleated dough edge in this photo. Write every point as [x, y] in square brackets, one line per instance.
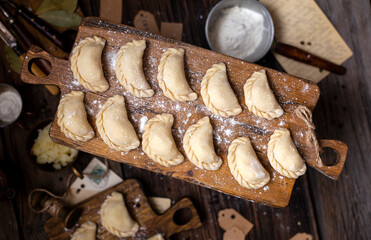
[206, 97]
[145, 141]
[110, 228]
[248, 88]
[100, 126]
[160, 78]
[233, 165]
[74, 56]
[273, 161]
[217, 161]
[133, 90]
[60, 121]
[83, 227]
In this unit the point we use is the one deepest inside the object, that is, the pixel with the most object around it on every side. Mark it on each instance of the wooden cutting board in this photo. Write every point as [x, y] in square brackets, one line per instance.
[290, 91]
[180, 217]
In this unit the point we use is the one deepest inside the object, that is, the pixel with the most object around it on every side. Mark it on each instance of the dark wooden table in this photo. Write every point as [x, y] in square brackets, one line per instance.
[319, 206]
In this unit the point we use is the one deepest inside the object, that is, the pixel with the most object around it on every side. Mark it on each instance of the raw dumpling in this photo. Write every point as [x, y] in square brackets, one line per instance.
[156, 237]
[72, 118]
[129, 69]
[283, 155]
[259, 97]
[116, 218]
[86, 64]
[199, 147]
[114, 126]
[158, 142]
[171, 76]
[245, 166]
[86, 231]
[217, 94]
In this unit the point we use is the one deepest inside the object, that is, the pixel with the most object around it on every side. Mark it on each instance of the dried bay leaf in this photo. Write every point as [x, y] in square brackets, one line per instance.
[61, 18]
[13, 60]
[70, 5]
[49, 5]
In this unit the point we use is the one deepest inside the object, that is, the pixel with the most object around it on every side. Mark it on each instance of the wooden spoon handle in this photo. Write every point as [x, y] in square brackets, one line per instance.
[308, 58]
[28, 76]
[341, 150]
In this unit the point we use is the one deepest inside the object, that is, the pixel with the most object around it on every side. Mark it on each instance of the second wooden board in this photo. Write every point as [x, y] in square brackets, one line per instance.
[182, 216]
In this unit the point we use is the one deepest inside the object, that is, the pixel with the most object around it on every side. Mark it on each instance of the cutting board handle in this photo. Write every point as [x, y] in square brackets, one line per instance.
[341, 150]
[33, 54]
[166, 221]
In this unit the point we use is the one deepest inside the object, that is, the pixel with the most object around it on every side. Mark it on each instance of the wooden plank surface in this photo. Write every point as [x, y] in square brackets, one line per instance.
[9, 222]
[343, 207]
[320, 206]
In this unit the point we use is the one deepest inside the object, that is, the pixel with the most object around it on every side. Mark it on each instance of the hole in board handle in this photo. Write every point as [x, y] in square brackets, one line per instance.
[39, 67]
[329, 156]
[73, 217]
[182, 216]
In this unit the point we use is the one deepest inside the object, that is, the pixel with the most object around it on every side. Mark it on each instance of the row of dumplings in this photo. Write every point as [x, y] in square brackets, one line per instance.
[216, 91]
[158, 143]
[115, 218]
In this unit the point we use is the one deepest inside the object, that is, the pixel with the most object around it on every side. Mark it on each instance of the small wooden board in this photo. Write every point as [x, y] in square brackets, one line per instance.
[138, 207]
[290, 91]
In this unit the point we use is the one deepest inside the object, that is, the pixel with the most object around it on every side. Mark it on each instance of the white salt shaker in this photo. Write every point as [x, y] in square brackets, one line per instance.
[10, 104]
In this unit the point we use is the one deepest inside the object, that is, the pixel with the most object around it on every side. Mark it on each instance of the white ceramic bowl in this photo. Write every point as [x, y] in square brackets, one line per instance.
[268, 31]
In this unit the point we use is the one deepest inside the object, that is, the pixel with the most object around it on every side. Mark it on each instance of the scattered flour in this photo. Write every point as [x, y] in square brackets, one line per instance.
[225, 129]
[142, 122]
[228, 132]
[75, 82]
